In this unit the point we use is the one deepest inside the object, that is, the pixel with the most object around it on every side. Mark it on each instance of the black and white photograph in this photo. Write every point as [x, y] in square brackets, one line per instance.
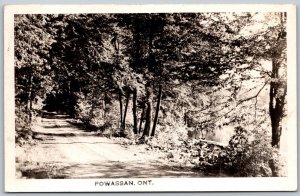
[138, 97]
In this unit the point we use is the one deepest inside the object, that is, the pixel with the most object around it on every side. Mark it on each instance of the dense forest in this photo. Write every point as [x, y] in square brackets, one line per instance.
[178, 82]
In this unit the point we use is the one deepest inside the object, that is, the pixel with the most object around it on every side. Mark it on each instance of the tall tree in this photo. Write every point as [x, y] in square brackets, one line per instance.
[157, 110]
[134, 111]
[32, 44]
[268, 45]
[278, 86]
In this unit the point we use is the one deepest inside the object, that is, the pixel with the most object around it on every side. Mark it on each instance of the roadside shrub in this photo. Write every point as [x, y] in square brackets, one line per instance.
[247, 153]
[237, 151]
[23, 125]
[21, 117]
[83, 109]
[168, 137]
[251, 157]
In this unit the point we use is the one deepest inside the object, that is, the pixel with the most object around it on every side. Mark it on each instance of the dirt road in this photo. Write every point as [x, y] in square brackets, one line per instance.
[66, 151]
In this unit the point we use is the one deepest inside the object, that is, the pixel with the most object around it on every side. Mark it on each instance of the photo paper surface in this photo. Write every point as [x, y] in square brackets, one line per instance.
[147, 98]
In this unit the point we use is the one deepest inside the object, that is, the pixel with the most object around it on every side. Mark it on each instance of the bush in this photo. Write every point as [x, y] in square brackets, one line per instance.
[168, 137]
[251, 158]
[237, 151]
[247, 153]
[83, 109]
[23, 125]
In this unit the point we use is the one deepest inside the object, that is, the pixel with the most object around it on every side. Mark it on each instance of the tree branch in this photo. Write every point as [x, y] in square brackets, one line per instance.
[255, 96]
[240, 102]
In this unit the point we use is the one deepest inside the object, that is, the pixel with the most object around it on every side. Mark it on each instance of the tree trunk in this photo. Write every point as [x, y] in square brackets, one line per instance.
[276, 104]
[137, 45]
[276, 110]
[68, 106]
[151, 55]
[121, 109]
[135, 130]
[103, 108]
[105, 105]
[30, 99]
[276, 130]
[141, 119]
[148, 120]
[147, 127]
[278, 90]
[157, 110]
[125, 111]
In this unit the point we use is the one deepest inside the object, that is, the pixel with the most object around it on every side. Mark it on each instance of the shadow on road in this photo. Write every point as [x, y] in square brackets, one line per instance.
[84, 126]
[116, 170]
[56, 126]
[53, 115]
[78, 143]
